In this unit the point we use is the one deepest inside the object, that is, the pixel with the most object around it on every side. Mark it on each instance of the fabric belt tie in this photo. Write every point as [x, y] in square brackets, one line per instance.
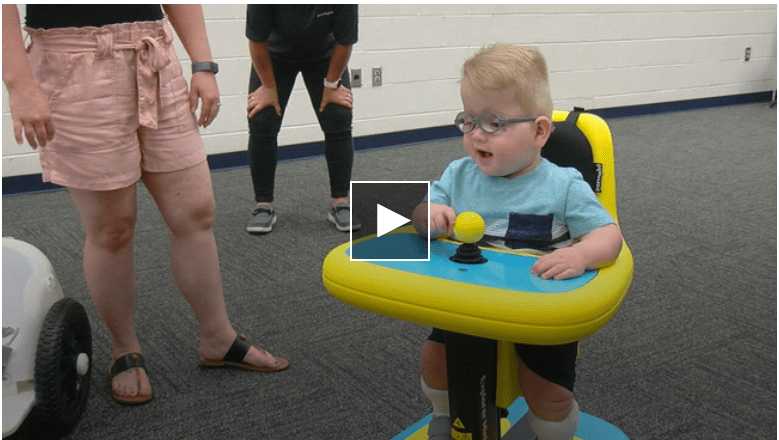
[150, 58]
[151, 55]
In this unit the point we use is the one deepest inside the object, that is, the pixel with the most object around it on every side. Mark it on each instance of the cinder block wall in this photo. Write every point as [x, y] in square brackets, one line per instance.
[599, 56]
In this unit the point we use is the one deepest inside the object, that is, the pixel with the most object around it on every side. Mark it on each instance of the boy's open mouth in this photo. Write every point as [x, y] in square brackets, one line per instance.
[484, 154]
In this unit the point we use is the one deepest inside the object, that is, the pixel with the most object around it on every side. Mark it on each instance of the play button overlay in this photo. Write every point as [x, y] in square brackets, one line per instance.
[387, 220]
[382, 207]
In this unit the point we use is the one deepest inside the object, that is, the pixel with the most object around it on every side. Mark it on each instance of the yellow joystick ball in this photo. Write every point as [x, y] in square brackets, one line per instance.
[468, 227]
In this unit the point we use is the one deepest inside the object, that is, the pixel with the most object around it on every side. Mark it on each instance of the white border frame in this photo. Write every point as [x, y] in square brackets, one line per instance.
[351, 235]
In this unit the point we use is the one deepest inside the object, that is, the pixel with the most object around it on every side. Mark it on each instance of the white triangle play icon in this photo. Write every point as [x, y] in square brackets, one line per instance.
[387, 220]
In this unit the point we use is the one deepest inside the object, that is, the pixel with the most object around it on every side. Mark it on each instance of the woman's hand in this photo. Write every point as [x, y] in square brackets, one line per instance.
[262, 98]
[341, 96]
[31, 116]
[203, 87]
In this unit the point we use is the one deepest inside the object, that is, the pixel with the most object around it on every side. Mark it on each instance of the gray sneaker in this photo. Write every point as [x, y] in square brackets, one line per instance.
[339, 216]
[439, 428]
[262, 221]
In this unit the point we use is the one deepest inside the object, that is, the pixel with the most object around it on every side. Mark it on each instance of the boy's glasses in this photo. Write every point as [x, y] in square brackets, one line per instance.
[489, 121]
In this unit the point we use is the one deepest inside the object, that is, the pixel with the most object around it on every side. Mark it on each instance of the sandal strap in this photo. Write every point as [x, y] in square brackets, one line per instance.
[127, 362]
[238, 350]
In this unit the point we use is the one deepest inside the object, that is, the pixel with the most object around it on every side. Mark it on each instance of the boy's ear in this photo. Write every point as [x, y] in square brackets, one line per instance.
[543, 127]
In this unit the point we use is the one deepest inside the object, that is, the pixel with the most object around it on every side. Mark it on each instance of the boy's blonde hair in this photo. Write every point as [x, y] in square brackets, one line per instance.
[520, 68]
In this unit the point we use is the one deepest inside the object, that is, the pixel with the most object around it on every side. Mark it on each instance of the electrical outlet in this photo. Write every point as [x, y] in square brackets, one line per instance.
[356, 79]
[747, 54]
[376, 76]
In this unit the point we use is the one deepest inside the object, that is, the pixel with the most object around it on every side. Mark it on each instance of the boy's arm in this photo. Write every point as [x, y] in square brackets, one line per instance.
[419, 219]
[441, 219]
[598, 248]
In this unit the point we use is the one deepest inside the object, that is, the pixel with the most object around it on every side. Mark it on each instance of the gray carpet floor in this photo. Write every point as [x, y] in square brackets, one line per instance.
[690, 355]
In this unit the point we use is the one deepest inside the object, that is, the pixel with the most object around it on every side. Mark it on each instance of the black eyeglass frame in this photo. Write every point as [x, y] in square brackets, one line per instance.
[476, 120]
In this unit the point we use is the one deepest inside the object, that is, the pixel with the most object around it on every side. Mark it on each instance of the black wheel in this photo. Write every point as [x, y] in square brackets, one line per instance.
[63, 367]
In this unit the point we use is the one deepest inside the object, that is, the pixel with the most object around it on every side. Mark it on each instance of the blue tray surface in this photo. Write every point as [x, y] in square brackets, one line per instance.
[502, 271]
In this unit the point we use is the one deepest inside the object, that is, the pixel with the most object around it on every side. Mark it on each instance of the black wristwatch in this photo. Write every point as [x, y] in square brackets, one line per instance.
[205, 66]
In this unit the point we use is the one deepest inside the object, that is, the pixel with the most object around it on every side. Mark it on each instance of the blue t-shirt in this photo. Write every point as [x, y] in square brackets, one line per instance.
[543, 209]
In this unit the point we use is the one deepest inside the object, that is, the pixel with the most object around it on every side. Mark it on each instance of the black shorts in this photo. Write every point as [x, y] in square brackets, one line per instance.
[555, 363]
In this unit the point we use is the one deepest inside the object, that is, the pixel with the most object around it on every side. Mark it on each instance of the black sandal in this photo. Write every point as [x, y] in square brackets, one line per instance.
[126, 363]
[236, 354]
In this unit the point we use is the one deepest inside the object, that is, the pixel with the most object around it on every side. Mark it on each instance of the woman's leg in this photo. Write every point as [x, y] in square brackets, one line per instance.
[336, 123]
[263, 132]
[186, 201]
[108, 218]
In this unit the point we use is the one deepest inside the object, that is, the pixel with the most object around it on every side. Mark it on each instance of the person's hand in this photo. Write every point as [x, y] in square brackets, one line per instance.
[561, 264]
[262, 98]
[441, 220]
[203, 87]
[31, 116]
[341, 96]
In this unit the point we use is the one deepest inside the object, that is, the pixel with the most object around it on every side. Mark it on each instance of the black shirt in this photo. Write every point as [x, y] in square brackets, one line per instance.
[47, 16]
[302, 32]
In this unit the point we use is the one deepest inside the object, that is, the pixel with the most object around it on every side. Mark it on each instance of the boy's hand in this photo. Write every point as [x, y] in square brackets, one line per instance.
[441, 220]
[561, 264]
[598, 248]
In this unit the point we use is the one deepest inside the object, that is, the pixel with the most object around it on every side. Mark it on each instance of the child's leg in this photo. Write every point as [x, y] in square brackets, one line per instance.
[432, 366]
[554, 414]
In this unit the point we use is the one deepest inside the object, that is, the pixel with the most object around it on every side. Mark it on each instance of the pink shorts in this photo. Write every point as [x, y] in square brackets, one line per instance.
[119, 104]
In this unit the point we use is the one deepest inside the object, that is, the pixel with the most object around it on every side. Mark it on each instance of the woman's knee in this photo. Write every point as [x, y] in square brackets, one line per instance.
[113, 234]
[266, 123]
[197, 215]
[335, 119]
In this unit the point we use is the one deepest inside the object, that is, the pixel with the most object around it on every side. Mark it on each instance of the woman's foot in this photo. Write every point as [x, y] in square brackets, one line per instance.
[262, 220]
[129, 382]
[241, 354]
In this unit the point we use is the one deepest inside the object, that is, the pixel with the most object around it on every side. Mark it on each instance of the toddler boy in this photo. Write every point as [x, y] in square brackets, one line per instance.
[527, 203]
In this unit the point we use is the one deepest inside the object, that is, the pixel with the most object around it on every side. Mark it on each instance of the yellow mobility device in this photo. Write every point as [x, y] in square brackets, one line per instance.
[494, 297]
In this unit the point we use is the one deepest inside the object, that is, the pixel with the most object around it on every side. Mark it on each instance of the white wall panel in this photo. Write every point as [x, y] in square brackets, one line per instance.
[599, 56]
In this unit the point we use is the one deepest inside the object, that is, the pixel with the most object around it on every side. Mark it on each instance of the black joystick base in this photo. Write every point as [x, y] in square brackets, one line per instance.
[468, 253]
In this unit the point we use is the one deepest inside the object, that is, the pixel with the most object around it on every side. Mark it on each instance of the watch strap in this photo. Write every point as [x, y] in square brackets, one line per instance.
[205, 66]
[333, 85]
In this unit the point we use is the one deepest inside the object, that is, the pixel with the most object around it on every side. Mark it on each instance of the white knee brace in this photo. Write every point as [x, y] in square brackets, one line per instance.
[562, 430]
